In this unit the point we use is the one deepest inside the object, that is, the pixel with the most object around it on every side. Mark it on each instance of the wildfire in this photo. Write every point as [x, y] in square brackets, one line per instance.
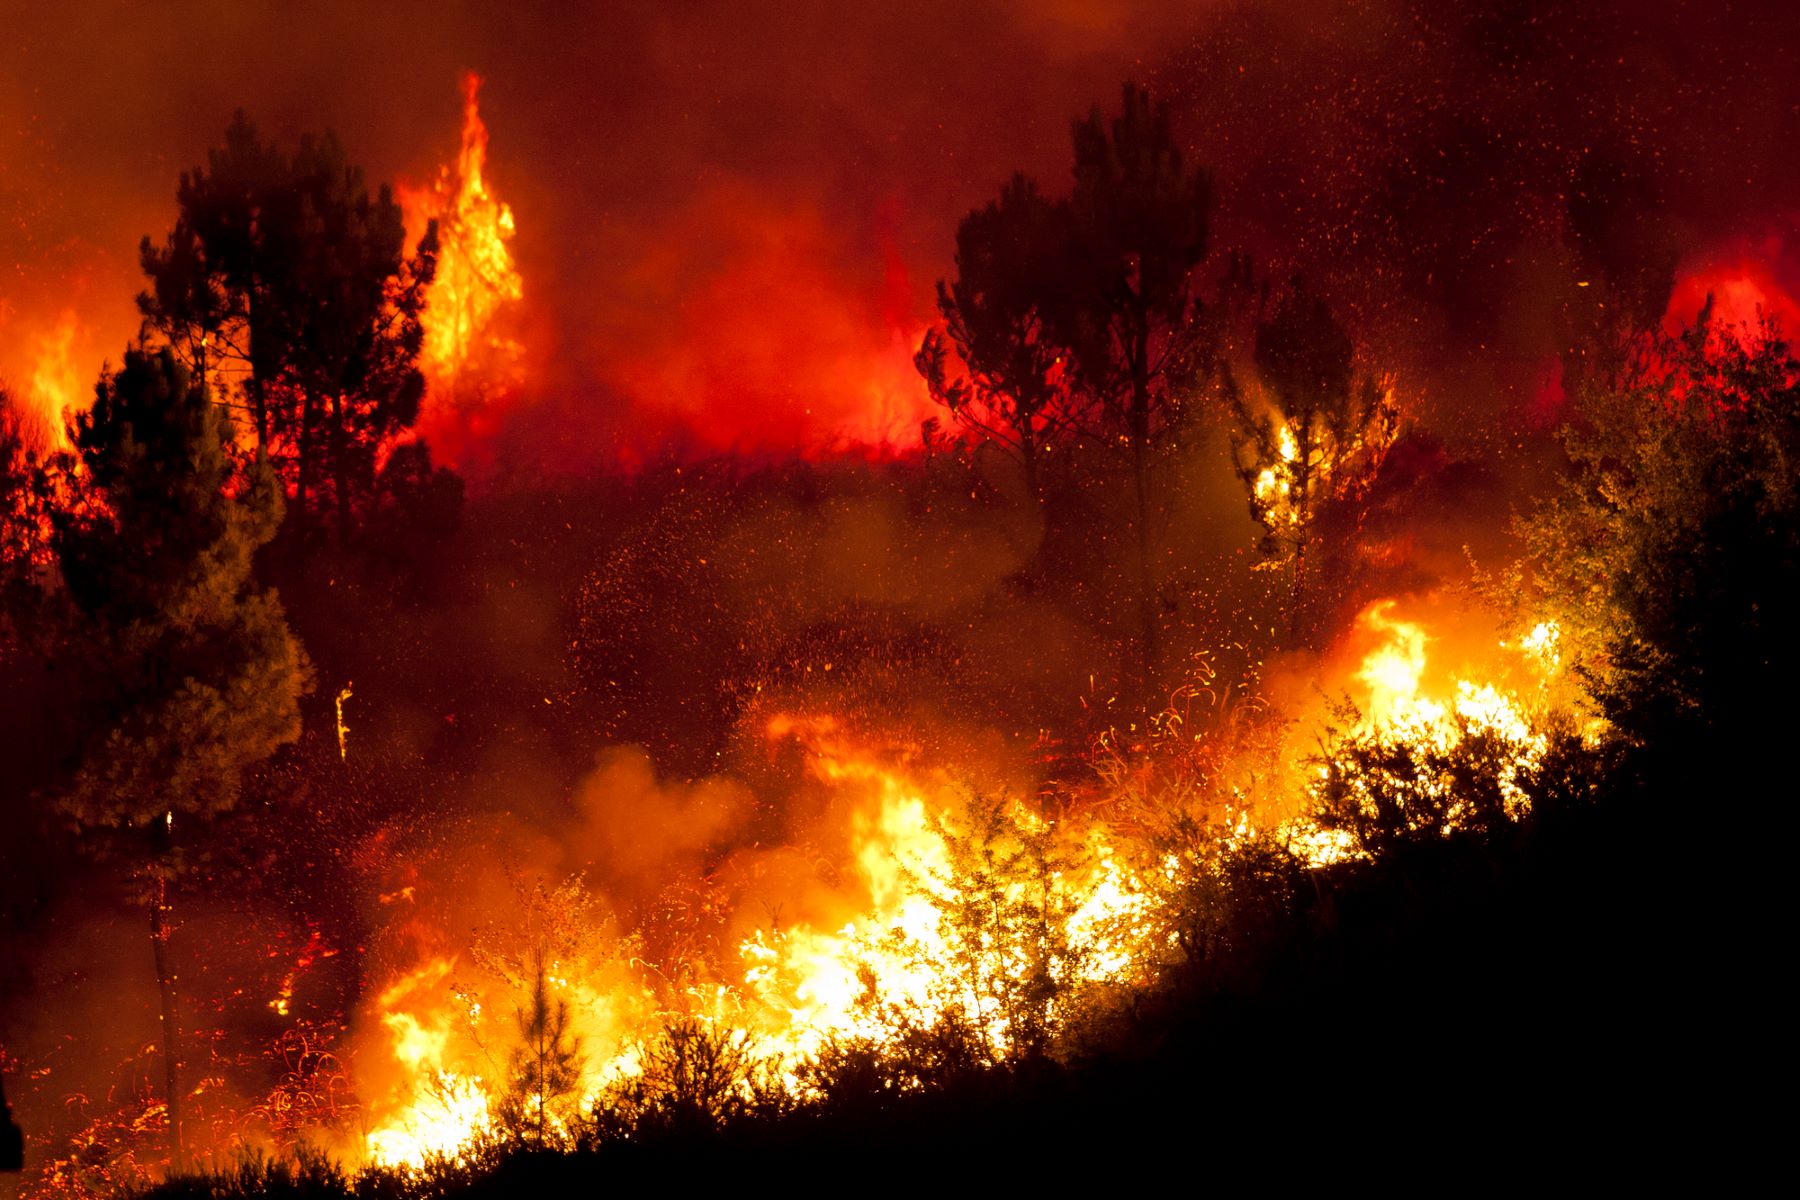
[1274, 487]
[1061, 907]
[467, 356]
[55, 387]
[938, 912]
[969, 913]
[1411, 719]
[968, 910]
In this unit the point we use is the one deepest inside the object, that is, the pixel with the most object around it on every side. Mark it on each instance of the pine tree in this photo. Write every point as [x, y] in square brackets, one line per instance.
[546, 1065]
[1140, 344]
[1000, 315]
[1308, 431]
[189, 673]
[221, 286]
[286, 276]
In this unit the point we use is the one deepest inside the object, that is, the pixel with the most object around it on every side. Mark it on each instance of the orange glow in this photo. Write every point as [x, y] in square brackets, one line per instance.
[906, 946]
[936, 907]
[1412, 697]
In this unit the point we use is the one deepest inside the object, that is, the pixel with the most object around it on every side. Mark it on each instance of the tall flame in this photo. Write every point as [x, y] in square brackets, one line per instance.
[55, 387]
[468, 356]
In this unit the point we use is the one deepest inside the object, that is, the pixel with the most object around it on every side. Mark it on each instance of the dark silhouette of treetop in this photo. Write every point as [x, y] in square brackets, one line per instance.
[290, 285]
[1139, 344]
[1000, 315]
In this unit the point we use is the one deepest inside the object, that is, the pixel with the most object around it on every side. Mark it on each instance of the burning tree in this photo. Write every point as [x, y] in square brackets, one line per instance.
[25, 498]
[1315, 432]
[189, 674]
[545, 1070]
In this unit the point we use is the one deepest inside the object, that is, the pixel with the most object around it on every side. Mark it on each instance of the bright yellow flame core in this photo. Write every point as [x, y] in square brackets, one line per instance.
[932, 873]
[448, 1113]
[1400, 711]
[962, 910]
[55, 387]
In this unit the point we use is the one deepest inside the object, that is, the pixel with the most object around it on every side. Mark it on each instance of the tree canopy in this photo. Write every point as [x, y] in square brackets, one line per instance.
[1003, 314]
[190, 672]
[289, 283]
[1670, 553]
[1307, 429]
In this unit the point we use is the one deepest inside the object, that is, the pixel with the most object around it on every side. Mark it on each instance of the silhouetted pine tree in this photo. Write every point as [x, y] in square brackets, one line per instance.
[1134, 322]
[545, 1069]
[1000, 314]
[288, 272]
[188, 672]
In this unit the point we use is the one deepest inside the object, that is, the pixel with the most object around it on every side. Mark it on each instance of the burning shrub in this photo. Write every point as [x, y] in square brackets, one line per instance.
[1479, 767]
[1226, 888]
[693, 1077]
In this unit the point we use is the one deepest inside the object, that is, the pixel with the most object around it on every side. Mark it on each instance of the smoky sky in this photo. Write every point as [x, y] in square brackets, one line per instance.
[731, 214]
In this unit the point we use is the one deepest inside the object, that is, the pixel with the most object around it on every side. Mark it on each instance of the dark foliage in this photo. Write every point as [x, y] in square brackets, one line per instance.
[1675, 549]
[285, 276]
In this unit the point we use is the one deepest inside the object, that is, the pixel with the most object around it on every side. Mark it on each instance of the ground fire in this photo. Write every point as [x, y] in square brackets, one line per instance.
[954, 593]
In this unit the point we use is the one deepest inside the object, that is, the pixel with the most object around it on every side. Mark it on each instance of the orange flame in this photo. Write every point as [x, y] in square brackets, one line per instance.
[791, 989]
[468, 357]
[55, 388]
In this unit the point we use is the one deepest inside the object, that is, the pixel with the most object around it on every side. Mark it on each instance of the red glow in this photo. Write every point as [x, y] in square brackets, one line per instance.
[1743, 289]
[752, 333]
[1550, 400]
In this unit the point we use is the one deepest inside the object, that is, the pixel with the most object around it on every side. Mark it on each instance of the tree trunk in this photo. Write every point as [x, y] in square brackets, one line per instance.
[1140, 477]
[171, 1029]
[303, 469]
[259, 402]
[1146, 589]
[1303, 512]
[260, 406]
[340, 468]
[1028, 452]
